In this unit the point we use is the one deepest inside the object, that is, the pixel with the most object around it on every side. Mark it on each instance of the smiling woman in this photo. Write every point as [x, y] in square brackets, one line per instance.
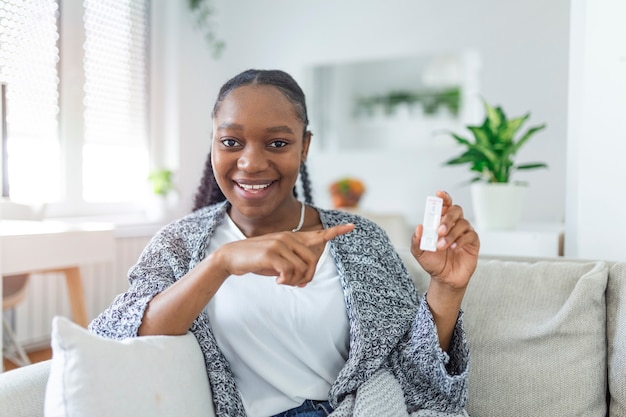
[257, 163]
[295, 306]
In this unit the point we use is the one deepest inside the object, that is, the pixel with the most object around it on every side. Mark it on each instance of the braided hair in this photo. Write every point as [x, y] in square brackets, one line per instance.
[209, 192]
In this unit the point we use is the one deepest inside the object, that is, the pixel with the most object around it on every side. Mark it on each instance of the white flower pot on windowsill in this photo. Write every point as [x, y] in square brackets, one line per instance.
[498, 206]
[160, 208]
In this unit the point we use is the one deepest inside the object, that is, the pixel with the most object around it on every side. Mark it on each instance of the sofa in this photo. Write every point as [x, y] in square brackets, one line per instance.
[547, 338]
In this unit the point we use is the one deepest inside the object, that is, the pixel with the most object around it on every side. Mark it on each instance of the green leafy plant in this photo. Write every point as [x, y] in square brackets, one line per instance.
[491, 153]
[161, 181]
[431, 99]
[204, 11]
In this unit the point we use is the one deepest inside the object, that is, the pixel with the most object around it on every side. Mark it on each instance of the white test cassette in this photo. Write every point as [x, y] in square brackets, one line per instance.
[432, 217]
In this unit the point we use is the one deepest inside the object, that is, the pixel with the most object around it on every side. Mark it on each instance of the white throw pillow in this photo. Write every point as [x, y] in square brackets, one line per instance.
[142, 376]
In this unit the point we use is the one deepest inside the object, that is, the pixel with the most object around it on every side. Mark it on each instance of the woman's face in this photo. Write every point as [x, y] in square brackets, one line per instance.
[257, 149]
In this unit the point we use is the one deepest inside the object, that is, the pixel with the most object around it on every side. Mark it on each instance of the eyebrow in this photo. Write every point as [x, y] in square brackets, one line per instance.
[279, 129]
[273, 129]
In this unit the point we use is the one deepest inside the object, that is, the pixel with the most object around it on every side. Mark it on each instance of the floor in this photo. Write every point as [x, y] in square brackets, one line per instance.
[35, 356]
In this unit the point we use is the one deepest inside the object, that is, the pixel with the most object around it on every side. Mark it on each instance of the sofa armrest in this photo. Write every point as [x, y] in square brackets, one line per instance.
[22, 390]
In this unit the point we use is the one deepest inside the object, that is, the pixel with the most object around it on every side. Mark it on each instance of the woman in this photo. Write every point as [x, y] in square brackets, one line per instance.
[297, 309]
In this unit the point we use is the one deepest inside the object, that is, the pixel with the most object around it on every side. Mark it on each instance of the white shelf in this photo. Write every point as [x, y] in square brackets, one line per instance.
[530, 239]
[544, 240]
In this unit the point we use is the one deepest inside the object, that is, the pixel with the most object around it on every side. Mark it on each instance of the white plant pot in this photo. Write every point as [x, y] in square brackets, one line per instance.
[497, 206]
[159, 208]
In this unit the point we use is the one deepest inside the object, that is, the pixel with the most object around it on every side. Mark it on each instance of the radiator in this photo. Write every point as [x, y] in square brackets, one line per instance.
[47, 293]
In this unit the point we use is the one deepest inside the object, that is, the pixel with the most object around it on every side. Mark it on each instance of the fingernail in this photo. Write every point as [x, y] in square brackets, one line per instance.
[441, 242]
[442, 229]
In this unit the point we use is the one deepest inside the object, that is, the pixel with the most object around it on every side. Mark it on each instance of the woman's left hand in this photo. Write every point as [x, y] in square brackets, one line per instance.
[456, 257]
[451, 266]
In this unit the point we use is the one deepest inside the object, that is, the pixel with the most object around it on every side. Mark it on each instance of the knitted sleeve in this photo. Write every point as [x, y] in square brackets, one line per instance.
[432, 379]
[169, 255]
[391, 324]
[155, 270]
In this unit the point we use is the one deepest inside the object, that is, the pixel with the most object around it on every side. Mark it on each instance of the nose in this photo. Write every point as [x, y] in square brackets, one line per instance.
[252, 159]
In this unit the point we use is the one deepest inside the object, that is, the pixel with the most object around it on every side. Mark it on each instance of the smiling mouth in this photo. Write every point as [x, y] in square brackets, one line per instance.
[253, 187]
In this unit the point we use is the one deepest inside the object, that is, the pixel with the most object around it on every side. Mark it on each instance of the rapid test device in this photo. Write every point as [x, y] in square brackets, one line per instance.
[432, 216]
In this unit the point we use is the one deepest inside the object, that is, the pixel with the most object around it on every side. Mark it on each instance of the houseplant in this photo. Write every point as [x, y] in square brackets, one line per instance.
[497, 200]
[204, 12]
[163, 194]
[346, 192]
[161, 181]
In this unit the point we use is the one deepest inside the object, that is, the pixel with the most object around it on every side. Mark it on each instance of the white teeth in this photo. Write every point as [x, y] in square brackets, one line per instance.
[253, 187]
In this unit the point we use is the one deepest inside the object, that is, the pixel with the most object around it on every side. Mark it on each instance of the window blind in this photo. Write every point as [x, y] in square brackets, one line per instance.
[28, 66]
[115, 158]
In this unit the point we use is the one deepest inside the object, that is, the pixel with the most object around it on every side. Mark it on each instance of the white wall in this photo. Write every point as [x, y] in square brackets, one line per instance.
[524, 52]
[597, 131]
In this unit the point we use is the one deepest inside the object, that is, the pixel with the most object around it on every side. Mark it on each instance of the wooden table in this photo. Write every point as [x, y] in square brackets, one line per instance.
[55, 246]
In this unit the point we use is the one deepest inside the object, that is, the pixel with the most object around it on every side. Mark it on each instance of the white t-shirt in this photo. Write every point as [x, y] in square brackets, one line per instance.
[284, 344]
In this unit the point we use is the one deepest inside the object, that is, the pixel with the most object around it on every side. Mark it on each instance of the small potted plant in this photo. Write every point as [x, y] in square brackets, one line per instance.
[346, 193]
[161, 182]
[497, 200]
[162, 186]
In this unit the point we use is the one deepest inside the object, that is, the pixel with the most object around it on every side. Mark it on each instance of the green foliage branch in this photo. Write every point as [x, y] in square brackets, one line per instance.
[204, 12]
[491, 153]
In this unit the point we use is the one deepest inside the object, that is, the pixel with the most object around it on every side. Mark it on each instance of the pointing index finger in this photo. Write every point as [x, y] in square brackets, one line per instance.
[333, 232]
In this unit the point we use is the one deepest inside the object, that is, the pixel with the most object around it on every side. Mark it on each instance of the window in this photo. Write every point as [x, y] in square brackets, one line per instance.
[77, 99]
[28, 68]
[115, 159]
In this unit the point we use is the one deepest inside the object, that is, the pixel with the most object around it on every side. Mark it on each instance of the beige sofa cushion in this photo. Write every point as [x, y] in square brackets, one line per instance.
[22, 390]
[616, 334]
[537, 337]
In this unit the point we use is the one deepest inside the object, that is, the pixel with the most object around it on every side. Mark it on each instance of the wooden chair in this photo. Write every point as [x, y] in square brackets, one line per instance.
[14, 286]
[13, 292]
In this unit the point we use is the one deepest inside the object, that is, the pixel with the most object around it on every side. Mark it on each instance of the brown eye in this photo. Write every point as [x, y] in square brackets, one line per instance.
[278, 144]
[229, 143]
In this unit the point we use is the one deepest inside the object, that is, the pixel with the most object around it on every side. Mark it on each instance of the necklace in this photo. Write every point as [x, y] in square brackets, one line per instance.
[301, 222]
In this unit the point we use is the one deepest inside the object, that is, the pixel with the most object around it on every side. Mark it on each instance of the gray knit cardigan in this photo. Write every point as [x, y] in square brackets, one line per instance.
[391, 327]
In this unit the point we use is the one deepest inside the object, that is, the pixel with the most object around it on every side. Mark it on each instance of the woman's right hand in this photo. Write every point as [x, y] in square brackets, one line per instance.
[290, 257]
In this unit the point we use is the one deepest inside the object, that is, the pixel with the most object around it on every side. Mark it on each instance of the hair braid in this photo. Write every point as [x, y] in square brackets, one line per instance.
[306, 184]
[208, 192]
